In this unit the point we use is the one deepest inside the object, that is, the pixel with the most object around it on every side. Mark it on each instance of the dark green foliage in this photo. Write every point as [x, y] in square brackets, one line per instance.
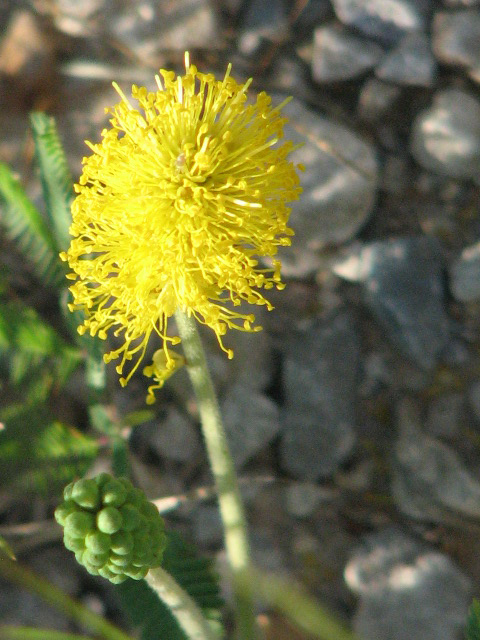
[472, 630]
[34, 356]
[95, 529]
[25, 227]
[193, 573]
[56, 179]
[39, 454]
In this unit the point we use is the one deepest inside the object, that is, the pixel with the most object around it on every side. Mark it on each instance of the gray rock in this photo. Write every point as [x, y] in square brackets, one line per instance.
[339, 186]
[461, 3]
[302, 498]
[465, 275]
[262, 20]
[376, 99]
[320, 372]
[149, 27]
[311, 14]
[375, 373]
[408, 591]
[176, 438]
[430, 482]
[385, 20]
[403, 287]
[266, 554]
[339, 55]
[252, 420]
[207, 525]
[456, 39]
[474, 398]
[444, 415]
[411, 62]
[78, 19]
[290, 75]
[446, 137]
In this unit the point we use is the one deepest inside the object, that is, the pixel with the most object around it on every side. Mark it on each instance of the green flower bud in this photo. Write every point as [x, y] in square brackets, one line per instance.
[111, 527]
[67, 492]
[149, 510]
[119, 561]
[102, 479]
[118, 571]
[64, 510]
[74, 544]
[137, 573]
[109, 520]
[79, 523]
[130, 516]
[94, 559]
[85, 493]
[122, 542]
[98, 542]
[105, 572]
[114, 493]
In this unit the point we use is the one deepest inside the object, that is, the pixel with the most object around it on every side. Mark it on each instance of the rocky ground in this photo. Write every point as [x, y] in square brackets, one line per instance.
[354, 417]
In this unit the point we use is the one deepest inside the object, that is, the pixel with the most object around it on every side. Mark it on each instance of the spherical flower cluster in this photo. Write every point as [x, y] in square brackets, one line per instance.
[187, 190]
[112, 528]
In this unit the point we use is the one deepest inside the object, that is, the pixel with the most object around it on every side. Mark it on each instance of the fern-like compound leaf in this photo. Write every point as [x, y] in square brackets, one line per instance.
[56, 179]
[25, 227]
[36, 358]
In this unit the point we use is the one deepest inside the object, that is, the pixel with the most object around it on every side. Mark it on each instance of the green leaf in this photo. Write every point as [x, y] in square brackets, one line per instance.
[6, 549]
[10, 632]
[25, 227]
[136, 418]
[472, 631]
[36, 356]
[40, 454]
[193, 573]
[57, 181]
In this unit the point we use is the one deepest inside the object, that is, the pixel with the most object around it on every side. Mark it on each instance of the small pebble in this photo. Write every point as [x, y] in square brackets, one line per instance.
[456, 38]
[385, 20]
[339, 186]
[319, 378]
[410, 63]
[407, 590]
[403, 288]
[339, 55]
[251, 422]
[445, 138]
[465, 275]
[430, 481]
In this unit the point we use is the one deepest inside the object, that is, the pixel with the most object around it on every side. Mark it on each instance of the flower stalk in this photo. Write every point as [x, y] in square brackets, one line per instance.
[181, 605]
[221, 463]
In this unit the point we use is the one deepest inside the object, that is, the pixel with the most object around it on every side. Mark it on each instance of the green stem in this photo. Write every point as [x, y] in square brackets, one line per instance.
[55, 597]
[223, 470]
[180, 605]
[10, 632]
[305, 612]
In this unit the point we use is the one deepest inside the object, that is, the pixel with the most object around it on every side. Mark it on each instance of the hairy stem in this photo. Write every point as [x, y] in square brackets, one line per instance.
[180, 604]
[223, 470]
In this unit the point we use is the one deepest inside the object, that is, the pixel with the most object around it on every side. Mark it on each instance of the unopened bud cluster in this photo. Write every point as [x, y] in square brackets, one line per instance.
[112, 528]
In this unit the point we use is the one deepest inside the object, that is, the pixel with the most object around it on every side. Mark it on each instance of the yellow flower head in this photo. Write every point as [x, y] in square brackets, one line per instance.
[186, 190]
